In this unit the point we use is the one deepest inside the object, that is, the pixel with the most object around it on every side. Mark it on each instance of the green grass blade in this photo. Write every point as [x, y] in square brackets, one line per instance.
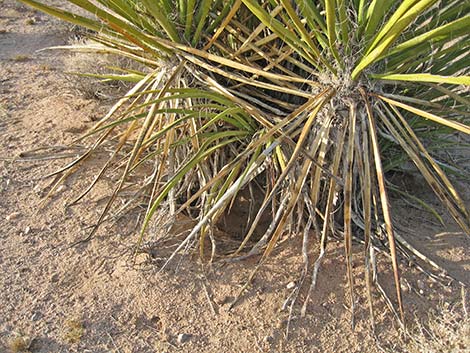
[330, 11]
[391, 31]
[204, 6]
[160, 15]
[458, 80]
[300, 27]
[66, 16]
[344, 23]
[279, 28]
[190, 8]
[444, 32]
[424, 114]
[376, 12]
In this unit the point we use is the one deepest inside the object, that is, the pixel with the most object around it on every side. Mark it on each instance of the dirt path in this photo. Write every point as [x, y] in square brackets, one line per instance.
[92, 298]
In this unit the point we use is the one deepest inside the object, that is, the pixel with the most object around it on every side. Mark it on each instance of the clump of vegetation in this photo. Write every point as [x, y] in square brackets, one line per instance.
[19, 344]
[30, 21]
[73, 331]
[21, 58]
[310, 103]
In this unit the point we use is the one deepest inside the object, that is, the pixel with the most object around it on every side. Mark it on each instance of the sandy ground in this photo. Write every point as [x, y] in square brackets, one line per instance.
[93, 298]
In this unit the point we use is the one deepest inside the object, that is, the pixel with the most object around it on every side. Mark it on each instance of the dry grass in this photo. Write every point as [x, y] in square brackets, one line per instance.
[89, 63]
[445, 330]
[19, 344]
[3, 111]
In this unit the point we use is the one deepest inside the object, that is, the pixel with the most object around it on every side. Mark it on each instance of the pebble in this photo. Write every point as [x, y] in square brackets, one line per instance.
[281, 324]
[27, 230]
[269, 339]
[31, 20]
[183, 338]
[36, 316]
[290, 285]
[13, 216]
[142, 259]
[226, 300]
[54, 278]
[37, 189]
[404, 287]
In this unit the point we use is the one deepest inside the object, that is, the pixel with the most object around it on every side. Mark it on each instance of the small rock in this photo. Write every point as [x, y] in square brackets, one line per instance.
[183, 338]
[13, 216]
[404, 287]
[31, 21]
[290, 285]
[27, 230]
[37, 189]
[281, 324]
[36, 316]
[226, 300]
[61, 188]
[268, 339]
[142, 258]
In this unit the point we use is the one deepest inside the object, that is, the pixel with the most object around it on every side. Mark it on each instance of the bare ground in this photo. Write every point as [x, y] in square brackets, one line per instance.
[93, 298]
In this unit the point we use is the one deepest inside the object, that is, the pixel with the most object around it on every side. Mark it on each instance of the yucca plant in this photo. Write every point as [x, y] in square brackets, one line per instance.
[188, 132]
[314, 101]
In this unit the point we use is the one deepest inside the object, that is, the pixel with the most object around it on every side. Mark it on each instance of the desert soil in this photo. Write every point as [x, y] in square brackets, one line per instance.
[95, 298]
